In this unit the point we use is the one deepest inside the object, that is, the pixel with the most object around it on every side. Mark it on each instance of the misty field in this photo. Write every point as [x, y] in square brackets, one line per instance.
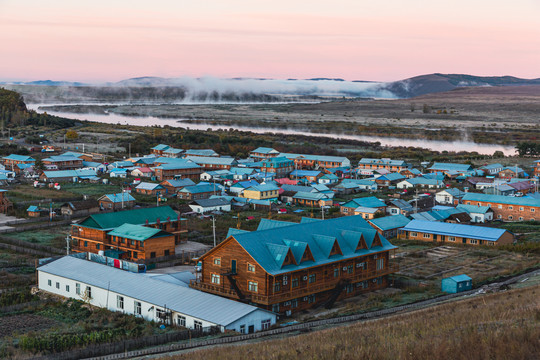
[504, 325]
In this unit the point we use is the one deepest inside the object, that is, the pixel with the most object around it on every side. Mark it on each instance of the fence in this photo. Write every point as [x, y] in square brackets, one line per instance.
[175, 259]
[307, 325]
[37, 226]
[27, 247]
[125, 346]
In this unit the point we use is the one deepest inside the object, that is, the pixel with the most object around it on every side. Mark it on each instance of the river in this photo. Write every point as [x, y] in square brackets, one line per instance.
[469, 146]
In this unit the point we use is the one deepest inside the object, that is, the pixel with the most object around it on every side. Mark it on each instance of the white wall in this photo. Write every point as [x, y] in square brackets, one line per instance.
[108, 299]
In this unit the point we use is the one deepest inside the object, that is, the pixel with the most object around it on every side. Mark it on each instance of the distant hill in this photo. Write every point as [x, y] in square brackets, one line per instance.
[434, 83]
[209, 89]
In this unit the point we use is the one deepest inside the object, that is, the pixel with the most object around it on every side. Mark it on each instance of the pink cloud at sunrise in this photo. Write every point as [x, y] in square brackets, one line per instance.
[114, 40]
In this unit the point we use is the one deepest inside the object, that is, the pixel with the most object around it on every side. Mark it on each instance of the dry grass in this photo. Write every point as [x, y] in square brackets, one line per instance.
[497, 326]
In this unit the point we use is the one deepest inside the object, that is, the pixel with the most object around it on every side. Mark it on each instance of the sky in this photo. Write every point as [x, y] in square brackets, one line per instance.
[96, 41]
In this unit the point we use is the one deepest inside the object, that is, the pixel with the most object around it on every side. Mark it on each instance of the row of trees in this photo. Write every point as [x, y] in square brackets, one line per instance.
[528, 148]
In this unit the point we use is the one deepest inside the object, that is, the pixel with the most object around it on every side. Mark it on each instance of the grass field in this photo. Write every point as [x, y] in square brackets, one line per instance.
[497, 326]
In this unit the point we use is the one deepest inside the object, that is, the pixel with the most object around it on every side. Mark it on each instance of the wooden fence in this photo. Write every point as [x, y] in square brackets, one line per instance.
[28, 247]
[125, 346]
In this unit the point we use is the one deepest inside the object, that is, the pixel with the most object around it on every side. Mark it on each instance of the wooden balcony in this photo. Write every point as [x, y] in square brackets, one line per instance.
[225, 290]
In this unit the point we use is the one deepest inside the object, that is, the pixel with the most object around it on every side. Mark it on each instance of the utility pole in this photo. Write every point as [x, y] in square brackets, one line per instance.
[322, 211]
[67, 244]
[214, 228]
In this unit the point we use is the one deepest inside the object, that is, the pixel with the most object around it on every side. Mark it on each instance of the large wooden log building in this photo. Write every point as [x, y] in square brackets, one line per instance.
[290, 267]
[103, 232]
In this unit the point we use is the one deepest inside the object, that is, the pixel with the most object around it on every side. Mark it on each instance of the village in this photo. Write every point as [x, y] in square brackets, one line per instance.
[177, 236]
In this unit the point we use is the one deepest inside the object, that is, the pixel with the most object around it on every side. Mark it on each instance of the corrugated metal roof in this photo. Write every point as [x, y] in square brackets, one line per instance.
[311, 196]
[211, 160]
[233, 231]
[265, 150]
[345, 230]
[109, 221]
[468, 231]
[266, 224]
[149, 186]
[198, 304]
[450, 166]
[370, 201]
[137, 232]
[161, 147]
[340, 159]
[18, 157]
[180, 183]
[202, 152]
[510, 200]
[390, 222]
[118, 198]
[459, 278]
[69, 173]
[473, 208]
[60, 158]
[197, 189]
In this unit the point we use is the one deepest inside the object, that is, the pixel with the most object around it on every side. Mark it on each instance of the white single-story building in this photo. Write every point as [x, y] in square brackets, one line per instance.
[449, 196]
[478, 214]
[152, 299]
[209, 205]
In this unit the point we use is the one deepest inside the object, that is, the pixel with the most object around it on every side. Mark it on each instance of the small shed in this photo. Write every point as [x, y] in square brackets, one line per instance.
[456, 284]
[33, 211]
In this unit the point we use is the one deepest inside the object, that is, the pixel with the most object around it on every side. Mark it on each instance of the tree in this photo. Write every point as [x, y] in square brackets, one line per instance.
[413, 107]
[72, 135]
[426, 109]
[498, 154]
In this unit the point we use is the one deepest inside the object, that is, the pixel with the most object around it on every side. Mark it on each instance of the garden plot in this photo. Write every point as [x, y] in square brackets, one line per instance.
[430, 265]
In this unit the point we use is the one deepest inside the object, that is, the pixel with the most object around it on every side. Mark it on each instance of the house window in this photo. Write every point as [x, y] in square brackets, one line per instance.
[532, 209]
[132, 242]
[336, 272]
[97, 246]
[77, 288]
[413, 234]
[181, 320]
[167, 252]
[242, 329]
[521, 208]
[521, 218]
[275, 308]
[217, 261]
[277, 286]
[500, 206]
[197, 325]
[153, 254]
[252, 286]
[49, 282]
[473, 241]
[311, 299]
[312, 278]
[294, 303]
[58, 285]
[265, 324]
[120, 302]
[251, 268]
[215, 279]
[350, 269]
[67, 288]
[510, 217]
[451, 238]
[499, 216]
[294, 282]
[510, 208]
[86, 244]
[426, 236]
[135, 255]
[138, 308]
[88, 292]
[379, 264]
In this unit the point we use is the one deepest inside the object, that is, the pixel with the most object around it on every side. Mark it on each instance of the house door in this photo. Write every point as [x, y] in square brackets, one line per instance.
[233, 266]
[251, 329]
[434, 237]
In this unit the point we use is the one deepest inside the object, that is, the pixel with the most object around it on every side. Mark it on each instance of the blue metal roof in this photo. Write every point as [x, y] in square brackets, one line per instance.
[265, 150]
[161, 147]
[266, 224]
[340, 159]
[370, 201]
[233, 231]
[390, 222]
[69, 173]
[468, 231]
[181, 182]
[473, 208]
[510, 200]
[305, 173]
[18, 157]
[197, 189]
[268, 247]
[32, 208]
[211, 160]
[391, 177]
[149, 186]
[450, 166]
[368, 161]
[459, 278]
[264, 187]
[202, 152]
[60, 158]
[118, 198]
